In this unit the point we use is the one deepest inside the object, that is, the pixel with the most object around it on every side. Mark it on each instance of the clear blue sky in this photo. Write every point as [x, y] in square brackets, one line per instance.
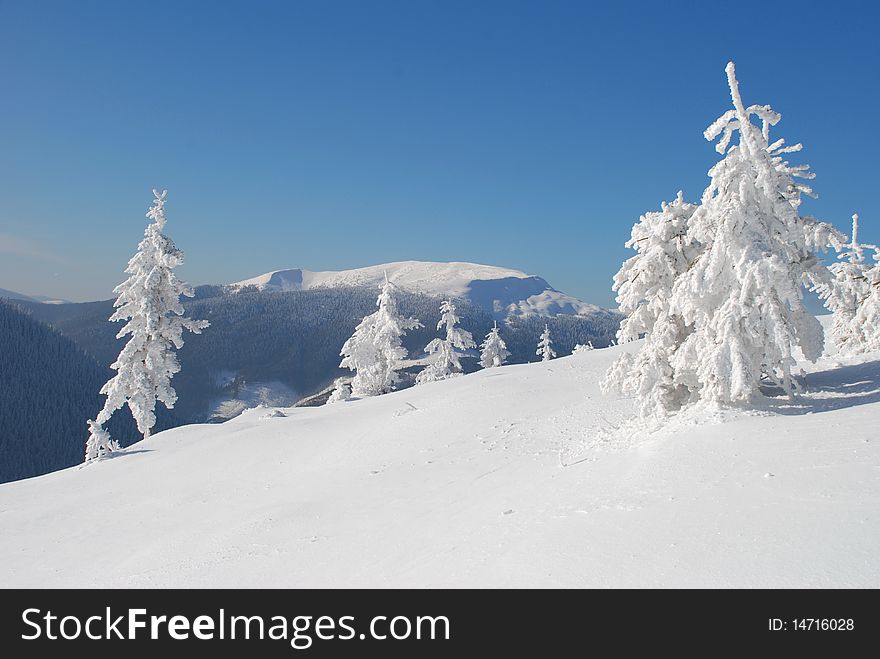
[329, 135]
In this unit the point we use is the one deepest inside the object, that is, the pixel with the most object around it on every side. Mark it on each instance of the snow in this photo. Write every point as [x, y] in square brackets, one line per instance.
[501, 291]
[461, 483]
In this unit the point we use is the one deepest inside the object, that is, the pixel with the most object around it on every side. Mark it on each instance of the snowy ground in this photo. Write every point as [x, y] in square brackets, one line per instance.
[460, 483]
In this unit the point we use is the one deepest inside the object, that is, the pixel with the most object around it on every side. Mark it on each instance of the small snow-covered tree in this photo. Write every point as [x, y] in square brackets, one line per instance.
[545, 350]
[99, 443]
[375, 351]
[341, 391]
[665, 249]
[444, 361]
[845, 292]
[583, 347]
[868, 316]
[735, 312]
[149, 300]
[493, 350]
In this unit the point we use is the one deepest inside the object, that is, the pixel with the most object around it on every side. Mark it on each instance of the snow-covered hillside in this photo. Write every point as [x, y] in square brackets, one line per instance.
[461, 483]
[500, 291]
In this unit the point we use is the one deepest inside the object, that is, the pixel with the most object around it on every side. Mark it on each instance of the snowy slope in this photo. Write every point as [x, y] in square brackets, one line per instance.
[460, 483]
[498, 290]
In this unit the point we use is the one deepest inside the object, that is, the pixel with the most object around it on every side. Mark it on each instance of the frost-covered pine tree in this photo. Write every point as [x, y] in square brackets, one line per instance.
[845, 292]
[545, 350]
[735, 313]
[493, 351]
[744, 295]
[375, 351]
[149, 300]
[341, 391]
[444, 361]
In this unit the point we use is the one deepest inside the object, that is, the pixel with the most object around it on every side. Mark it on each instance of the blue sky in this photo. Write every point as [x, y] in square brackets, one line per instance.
[329, 135]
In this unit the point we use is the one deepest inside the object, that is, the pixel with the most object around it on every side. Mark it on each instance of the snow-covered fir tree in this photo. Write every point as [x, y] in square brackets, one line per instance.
[735, 313]
[545, 350]
[341, 391]
[493, 351]
[375, 351]
[845, 292]
[149, 300]
[665, 249]
[444, 361]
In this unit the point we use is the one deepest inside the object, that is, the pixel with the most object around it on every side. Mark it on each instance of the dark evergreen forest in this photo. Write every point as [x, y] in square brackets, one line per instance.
[48, 389]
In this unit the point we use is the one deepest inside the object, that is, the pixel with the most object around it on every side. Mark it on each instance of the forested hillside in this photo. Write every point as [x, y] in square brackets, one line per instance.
[294, 337]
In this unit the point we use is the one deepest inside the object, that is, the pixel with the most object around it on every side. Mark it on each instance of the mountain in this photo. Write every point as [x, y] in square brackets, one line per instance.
[461, 483]
[12, 295]
[501, 292]
[48, 389]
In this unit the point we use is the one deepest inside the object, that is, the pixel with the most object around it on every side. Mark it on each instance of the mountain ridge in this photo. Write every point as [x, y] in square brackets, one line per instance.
[500, 291]
[42, 299]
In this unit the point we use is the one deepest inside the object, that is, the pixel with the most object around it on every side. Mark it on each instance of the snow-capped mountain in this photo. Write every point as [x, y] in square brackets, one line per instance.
[500, 291]
[522, 475]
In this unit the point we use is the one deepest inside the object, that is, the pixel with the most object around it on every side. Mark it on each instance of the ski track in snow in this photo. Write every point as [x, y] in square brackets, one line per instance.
[461, 483]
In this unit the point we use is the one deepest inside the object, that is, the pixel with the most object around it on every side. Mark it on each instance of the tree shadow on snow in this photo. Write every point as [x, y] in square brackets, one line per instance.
[124, 452]
[833, 389]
